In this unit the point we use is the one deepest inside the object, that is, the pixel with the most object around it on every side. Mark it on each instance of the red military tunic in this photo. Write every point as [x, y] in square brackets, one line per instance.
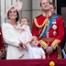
[52, 34]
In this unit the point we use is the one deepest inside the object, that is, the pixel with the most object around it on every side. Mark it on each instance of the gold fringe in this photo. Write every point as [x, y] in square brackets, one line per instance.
[43, 44]
[40, 26]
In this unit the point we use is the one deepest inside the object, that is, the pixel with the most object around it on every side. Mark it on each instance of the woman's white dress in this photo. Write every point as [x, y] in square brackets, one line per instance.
[10, 36]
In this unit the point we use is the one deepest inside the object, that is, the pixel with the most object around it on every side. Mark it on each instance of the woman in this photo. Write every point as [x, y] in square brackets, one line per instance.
[10, 35]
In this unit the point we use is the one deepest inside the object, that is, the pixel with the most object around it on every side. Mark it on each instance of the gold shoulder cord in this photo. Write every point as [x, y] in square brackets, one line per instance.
[40, 26]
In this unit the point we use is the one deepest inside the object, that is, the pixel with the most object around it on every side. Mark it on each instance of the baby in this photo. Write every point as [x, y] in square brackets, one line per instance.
[24, 31]
[36, 51]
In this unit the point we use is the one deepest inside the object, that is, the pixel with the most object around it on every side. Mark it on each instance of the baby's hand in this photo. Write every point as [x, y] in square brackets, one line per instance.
[21, 44]
[49, 50]
[34, 37]
[22, 30]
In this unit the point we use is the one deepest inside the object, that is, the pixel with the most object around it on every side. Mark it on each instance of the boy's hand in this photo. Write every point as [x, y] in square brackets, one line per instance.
[49, 50]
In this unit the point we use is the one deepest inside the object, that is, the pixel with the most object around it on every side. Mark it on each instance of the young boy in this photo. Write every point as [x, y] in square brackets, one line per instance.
[36, 49]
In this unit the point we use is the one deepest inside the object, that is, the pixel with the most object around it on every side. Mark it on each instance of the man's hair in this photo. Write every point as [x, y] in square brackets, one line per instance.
[50, 3]
[41, 1]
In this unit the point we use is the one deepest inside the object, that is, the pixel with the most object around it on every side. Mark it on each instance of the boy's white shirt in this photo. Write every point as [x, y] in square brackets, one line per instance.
[36, 53]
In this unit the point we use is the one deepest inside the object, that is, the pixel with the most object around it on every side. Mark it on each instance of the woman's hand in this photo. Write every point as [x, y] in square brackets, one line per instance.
[21, 46]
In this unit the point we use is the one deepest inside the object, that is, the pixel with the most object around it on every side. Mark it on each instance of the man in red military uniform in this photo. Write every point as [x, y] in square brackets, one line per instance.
[49, 29]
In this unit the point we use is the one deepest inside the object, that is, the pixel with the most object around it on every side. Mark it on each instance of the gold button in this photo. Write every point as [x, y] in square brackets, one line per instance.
[51, 63]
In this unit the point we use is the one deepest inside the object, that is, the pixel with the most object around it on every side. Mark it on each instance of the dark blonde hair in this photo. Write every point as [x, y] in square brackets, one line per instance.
[51, 3]
[24, 18]
[41, 2]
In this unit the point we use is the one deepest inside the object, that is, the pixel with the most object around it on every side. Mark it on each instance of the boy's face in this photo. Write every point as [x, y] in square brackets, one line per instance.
[35, 42]
[24, 21]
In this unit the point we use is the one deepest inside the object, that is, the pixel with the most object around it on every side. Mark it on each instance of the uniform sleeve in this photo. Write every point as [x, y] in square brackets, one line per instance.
[35, 31]
[59, 38]
[60, 35]
[8, 36]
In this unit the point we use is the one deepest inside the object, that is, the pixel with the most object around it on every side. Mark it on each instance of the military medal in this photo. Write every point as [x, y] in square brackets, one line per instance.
[54, 22]
[54, 27]
[54, 33]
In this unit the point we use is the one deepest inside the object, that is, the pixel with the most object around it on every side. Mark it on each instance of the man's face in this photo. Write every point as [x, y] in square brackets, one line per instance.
[45, 5]
[35, 42]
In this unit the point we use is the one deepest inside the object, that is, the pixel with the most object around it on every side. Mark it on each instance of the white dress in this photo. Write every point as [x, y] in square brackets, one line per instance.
[25, 35]
[10, 36]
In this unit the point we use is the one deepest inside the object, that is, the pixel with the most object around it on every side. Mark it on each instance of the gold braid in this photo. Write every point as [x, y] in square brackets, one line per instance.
[40, 26]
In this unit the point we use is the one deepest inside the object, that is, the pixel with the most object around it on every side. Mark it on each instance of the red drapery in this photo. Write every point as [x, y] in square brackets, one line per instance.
[32, 62]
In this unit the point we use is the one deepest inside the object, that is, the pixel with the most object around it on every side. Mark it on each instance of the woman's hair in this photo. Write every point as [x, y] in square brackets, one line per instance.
[17, 18]
[53, 5]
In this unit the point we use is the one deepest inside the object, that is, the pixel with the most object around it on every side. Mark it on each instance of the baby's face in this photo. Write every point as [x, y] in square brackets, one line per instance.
[24, 21]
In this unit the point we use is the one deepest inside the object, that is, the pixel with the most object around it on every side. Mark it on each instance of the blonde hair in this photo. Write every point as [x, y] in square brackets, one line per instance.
[24, 18]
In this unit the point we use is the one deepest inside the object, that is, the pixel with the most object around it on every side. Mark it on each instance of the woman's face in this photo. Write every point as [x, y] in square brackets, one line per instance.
[52, 8]
[45, 5]
[12, 13]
